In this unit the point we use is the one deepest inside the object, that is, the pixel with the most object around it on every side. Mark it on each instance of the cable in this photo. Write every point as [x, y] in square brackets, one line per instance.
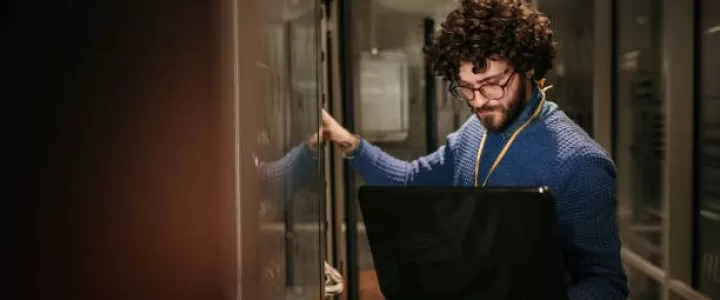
[333, 281]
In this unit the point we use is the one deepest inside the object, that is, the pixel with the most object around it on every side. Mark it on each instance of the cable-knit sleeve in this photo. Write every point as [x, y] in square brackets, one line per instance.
[290, 173]
[377, 167]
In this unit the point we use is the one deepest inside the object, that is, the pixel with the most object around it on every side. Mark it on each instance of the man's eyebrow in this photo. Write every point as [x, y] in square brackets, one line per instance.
[496, 76]
[491, 77]
[463, 82]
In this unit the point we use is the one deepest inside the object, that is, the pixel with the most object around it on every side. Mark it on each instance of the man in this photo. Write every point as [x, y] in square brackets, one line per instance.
[493, 52]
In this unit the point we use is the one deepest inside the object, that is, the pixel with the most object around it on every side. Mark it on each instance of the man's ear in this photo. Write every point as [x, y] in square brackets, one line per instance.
[530, 74]
[541, 83]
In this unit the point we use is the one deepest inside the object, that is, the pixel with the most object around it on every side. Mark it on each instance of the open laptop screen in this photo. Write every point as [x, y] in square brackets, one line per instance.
[464, 243]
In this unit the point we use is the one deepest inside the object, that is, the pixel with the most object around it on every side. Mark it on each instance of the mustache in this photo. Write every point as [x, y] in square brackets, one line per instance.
[488, 109]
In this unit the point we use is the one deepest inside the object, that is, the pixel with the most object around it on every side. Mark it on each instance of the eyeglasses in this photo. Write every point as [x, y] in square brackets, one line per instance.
[489, 91]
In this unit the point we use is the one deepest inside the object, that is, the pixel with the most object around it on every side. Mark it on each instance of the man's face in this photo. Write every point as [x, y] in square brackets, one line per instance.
[503, 93]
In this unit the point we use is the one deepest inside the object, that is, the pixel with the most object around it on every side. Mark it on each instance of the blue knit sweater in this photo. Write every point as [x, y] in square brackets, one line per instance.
[552, 151]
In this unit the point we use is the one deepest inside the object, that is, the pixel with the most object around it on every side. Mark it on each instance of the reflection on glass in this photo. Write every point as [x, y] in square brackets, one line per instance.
[572, 75]
[640, 133]
[291, 207]
[642, 286]
[708, 252]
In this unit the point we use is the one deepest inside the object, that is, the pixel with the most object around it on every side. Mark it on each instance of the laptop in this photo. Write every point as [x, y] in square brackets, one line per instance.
[464, 243]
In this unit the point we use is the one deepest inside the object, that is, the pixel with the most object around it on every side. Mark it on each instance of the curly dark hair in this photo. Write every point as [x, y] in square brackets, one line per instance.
[482, 30]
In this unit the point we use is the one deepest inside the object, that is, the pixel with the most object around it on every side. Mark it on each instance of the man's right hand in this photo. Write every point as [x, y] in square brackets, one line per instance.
[333, 131]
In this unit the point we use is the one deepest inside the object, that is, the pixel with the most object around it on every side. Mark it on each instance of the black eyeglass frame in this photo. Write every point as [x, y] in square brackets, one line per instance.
[502, 88]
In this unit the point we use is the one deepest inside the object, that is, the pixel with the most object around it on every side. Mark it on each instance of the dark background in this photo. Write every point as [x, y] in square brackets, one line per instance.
[118, 151]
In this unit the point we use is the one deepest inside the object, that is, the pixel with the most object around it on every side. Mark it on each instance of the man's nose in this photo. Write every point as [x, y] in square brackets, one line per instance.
[478, 101]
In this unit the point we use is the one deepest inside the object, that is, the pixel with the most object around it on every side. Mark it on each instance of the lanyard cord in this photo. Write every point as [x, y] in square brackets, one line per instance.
[504, 150]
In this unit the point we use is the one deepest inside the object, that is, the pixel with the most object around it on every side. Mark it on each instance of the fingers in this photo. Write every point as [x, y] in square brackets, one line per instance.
[327, 119]
[321, 137]
[313, 143]
[318, 139]
[332, 130]
[326, 134]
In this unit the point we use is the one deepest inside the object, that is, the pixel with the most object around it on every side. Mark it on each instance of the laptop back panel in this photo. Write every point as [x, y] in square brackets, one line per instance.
[464, 243]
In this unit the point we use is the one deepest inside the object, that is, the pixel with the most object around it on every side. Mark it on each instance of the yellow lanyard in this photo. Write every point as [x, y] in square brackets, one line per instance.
[504, 150]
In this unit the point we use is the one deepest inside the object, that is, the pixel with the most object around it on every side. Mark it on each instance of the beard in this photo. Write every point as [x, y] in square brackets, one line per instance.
[498, 118]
